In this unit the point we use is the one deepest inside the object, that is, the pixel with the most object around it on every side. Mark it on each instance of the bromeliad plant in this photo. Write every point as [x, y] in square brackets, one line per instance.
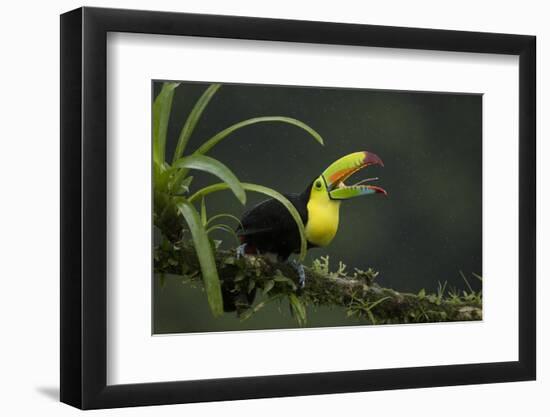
[174, 202]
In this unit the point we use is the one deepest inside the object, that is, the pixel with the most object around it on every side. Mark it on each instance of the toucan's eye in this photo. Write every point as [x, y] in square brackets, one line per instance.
[318, 184]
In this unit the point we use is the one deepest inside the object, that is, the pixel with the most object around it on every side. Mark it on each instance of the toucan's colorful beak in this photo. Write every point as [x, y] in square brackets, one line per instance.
[345, 167]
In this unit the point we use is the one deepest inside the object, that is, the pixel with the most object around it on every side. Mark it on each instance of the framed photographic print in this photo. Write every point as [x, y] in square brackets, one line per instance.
[258, 207]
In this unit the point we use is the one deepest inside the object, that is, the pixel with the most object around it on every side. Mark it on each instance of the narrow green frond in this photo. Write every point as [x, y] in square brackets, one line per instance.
[180, 183]
[477, 276]
[298, 309]
[161, 115]
[250, 312]
[269, 192]
[193, 119]
[466, 281]
[224, 228]
[204, 254]
[204, 217]
[209, 144]
[380, 301]
[222, 215]
[215, 167]
[220, 186]
[161, 177]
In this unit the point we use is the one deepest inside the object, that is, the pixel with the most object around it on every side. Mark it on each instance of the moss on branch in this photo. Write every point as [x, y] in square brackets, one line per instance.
[357, 291]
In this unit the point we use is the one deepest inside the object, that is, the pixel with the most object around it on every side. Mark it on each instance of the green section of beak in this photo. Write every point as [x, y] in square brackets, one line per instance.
[345, 193]
[344, 168]
[341, 169]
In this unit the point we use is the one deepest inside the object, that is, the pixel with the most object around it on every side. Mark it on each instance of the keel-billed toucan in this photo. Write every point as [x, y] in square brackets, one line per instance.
[268, 228]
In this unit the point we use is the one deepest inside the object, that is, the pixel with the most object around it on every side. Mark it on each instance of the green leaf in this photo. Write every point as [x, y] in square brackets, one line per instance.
[180, 184]
[215, 167]
[204, 218]
[268, 286]
[269, 192]
[193, 119]
[161, 177]
[477, 276]
[371, 317]
[214, 140]
[222, 215]
[298, 309]
[204, 254]
[224, 228]
[161, 114]
[279, 277]
[381, 300]
[250, 312]
[466, 281]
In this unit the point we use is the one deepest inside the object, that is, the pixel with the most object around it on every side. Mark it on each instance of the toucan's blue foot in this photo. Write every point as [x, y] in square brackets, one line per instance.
[300, 271]
[241, 250]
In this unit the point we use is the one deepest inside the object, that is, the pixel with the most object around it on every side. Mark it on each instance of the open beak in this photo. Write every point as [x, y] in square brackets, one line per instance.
[345, 167]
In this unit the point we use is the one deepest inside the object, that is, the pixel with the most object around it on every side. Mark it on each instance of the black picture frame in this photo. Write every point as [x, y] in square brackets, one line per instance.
[84, 207]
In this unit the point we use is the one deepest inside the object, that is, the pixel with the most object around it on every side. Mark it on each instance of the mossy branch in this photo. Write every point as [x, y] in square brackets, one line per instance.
[357, 292]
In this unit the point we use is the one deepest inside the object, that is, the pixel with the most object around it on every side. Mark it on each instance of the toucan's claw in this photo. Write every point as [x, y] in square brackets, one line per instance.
[300, 271]
[241, 250]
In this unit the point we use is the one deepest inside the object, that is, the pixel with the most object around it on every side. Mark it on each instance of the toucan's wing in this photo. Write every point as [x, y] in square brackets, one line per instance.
[269, 216]
[252, 231]
[262, 218]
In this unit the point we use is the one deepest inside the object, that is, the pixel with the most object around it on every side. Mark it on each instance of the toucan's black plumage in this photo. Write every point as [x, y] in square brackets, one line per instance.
[269, 228]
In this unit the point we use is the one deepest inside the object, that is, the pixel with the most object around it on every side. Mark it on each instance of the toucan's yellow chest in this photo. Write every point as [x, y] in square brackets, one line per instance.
[322, 221]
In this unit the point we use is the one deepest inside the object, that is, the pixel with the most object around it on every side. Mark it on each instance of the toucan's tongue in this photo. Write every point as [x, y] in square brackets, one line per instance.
[344, 193]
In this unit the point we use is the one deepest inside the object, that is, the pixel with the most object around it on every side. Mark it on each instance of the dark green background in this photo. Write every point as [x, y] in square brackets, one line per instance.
[424, 232]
